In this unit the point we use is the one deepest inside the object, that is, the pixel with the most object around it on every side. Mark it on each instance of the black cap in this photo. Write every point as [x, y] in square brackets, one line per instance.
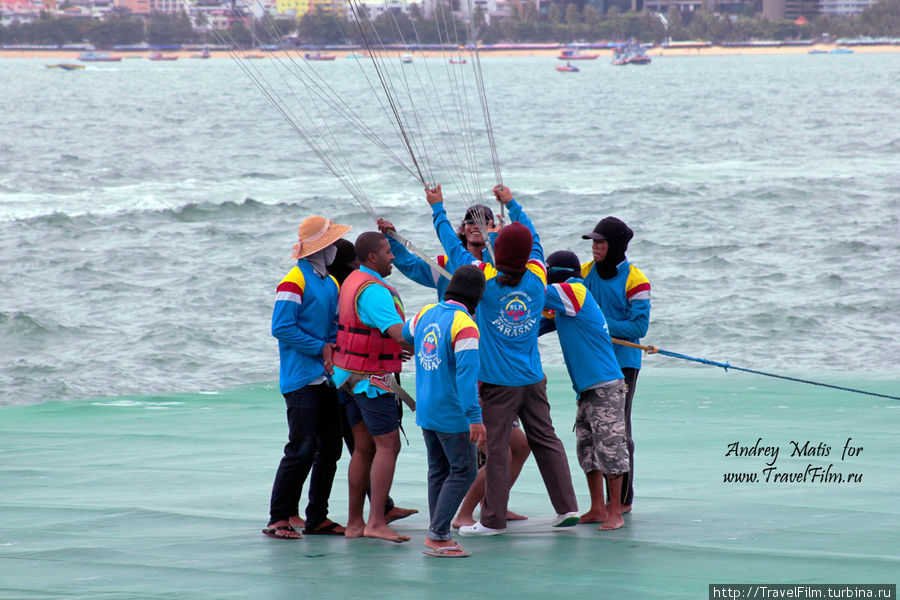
[466, 286]
[610, 228]
[561, 265]
[479, 209]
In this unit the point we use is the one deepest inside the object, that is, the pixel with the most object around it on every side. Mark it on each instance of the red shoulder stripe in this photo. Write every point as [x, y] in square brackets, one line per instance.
[642, 287]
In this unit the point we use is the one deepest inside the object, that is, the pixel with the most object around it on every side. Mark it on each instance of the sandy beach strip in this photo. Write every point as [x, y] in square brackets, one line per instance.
[72, 55]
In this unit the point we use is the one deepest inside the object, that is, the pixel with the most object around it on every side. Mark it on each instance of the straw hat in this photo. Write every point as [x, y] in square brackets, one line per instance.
[316, 233]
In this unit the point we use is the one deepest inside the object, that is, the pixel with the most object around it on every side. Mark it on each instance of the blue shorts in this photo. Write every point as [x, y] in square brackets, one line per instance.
[380, 414]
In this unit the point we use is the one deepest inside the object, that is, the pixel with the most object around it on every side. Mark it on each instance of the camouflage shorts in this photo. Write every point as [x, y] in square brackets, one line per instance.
[600, 430]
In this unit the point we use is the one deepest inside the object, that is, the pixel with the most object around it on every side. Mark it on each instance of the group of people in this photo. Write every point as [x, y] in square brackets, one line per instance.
[480, 388]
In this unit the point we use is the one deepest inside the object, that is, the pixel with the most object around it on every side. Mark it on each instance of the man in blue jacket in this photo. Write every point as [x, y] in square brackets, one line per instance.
[303, 322]
[597, 379]
[623, 293]
[446, 351]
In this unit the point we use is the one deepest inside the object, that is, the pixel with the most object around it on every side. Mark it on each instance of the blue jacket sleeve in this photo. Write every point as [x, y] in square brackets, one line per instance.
[467, 384]
[408, 333]
[517, 214]
[456, 253]
[411, 265]
[635, 325]
[285, 329]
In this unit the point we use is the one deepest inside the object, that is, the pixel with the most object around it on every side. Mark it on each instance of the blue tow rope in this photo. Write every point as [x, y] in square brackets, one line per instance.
[726, 366]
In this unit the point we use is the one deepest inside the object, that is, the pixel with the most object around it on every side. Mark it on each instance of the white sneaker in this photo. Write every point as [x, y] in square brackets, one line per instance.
[479, 529]
[570, 519]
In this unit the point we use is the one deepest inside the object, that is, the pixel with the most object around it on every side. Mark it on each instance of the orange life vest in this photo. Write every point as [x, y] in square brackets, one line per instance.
[361, 348]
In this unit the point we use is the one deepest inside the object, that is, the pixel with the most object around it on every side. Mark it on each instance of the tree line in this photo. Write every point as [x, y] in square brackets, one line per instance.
[561, 23]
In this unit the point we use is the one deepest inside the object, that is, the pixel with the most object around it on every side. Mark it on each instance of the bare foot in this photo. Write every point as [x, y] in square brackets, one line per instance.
[612, 522]
[385, 533]
[397, 513]
[296, 522]
[463, 521]
[626, 508]
[510, 516]
[355, 529]
[593, 517]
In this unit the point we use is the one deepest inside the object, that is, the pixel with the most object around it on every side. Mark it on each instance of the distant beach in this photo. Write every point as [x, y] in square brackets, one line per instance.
[506, 52]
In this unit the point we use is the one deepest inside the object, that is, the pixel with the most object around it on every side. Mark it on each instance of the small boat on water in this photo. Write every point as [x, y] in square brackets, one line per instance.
[631, 54]
[406, 58]
[65, 66]
[817, 51]
[254, 56]
[568, 69]
[319, 56]
[458, 61]
[98, 57]
[568, 54]
[203, 54]
[841, 51]
[161, 56]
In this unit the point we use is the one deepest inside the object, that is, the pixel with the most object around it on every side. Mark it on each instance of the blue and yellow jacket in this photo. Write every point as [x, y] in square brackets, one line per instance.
[583, 335]
[446, 351]
[303, 321]
[508, 317]
[625, 302]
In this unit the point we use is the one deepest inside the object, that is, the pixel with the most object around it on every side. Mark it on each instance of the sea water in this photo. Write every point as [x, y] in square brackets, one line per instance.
[147, 211]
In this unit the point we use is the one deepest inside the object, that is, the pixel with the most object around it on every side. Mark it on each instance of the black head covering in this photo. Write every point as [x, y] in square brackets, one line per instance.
[345, 261]
[466, 286]
[561, 265]
[475, 209]
[617, 235]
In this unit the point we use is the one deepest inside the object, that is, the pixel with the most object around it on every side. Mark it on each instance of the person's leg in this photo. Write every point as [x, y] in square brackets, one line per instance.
[631, 376]
[328, 432]
[461, 459]
[597, 512]
[358, 479]
[387, 447]
[382, 421]
[391, 511]
[438, 468]
[549, 453]
[519, 453]
[614, 518]
[500, 406]
[295, 465]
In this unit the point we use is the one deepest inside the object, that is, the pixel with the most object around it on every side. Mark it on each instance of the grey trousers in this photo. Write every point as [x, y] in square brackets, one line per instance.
[500, 406]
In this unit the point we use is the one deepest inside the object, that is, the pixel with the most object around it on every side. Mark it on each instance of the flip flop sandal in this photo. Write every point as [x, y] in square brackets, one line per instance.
[272, 532]
[444, 552]
[324, 529]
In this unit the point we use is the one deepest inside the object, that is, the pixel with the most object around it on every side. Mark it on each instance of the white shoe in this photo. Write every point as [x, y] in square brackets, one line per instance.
[570, 519]
[479, 529]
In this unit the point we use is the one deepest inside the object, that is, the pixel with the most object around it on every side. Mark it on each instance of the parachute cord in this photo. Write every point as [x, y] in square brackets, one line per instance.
[421, 177]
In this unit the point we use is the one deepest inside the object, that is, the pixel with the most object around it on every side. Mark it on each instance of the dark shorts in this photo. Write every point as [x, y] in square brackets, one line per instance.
[380, 414]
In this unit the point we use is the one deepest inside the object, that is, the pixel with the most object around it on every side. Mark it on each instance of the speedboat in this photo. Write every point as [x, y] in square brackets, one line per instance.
[161, 56]
[319, 56]
[568, 69]
[406, 58]
[98, 57]
[65, 66]
[575, 54]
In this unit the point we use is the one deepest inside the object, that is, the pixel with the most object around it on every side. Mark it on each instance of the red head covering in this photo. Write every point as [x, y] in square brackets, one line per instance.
[512, 248]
